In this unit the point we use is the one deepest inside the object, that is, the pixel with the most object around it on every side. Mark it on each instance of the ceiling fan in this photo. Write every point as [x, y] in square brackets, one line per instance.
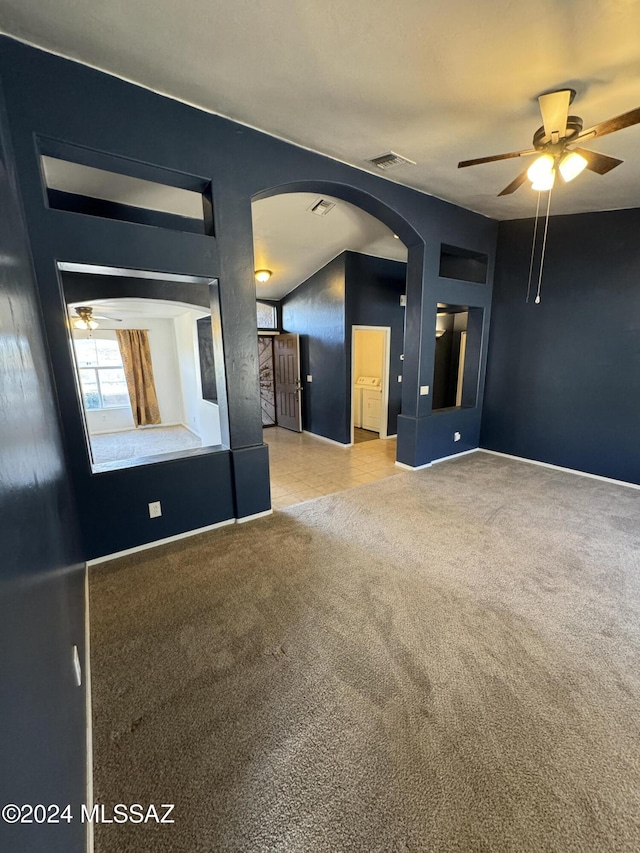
[85, 319]
[557, 144]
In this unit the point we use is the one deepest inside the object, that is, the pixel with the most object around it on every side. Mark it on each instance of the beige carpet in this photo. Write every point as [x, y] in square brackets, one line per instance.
[439, 661]
[138, 443]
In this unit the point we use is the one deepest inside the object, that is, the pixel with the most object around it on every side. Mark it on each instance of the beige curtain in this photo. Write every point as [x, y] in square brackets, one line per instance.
[138, 370]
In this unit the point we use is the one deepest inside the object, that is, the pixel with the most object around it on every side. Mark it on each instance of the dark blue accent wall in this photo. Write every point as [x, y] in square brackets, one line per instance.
[78, 109]
[563, 380]
[42, 729]
[373, 290]
[315, 310]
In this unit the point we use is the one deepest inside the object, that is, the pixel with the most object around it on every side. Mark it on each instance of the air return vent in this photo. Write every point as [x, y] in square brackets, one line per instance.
[391, 160]
[321, 207]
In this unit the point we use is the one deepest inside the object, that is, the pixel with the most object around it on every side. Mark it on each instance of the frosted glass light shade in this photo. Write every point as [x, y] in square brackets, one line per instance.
[541, 173]
[571, 165]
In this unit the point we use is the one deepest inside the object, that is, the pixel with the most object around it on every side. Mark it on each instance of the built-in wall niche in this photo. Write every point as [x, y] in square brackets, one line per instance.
[457, 359]
[136, 353]
[463, 264]
[92, 183]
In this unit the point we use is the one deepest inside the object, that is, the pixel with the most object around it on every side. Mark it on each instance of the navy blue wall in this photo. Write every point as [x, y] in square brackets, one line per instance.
[315, 310]
[564, 376]
[42, 734]
[55, 99]
[373, 290]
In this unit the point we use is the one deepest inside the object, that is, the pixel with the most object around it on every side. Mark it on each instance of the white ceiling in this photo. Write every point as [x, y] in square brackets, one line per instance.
[435, 80]
[294, 243]
[136, 309]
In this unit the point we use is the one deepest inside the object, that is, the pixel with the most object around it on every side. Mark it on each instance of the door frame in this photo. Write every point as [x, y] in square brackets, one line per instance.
[386, 369]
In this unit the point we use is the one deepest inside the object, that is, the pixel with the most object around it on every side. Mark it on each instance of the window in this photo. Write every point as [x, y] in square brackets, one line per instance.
[102, 379]
[266, 315]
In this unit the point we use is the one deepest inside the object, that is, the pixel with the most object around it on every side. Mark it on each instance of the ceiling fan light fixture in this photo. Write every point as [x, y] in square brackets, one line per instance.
[263, 276]
[545, 182]
[541, 171]
[85, 325]
[571, 165]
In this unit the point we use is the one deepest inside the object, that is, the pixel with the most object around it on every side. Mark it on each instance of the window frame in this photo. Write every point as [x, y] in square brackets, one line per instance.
[97, 369]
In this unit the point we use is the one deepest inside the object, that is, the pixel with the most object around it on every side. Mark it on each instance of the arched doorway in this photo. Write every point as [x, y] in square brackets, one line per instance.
[321, 266]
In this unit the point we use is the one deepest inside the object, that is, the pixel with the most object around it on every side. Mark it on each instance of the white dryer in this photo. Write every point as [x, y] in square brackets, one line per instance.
[367, 408]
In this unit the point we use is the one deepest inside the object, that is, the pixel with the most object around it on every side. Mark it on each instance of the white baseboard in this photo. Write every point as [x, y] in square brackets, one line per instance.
[560, 468]
[134, 428]
[253, 517]
[328, 440]
[107, 557]
[435, 461]
[88, 711]
[411, 467]
[384, 438]
[455, 455]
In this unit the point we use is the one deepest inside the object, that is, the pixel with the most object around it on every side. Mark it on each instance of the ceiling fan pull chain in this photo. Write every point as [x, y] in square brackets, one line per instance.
[544, 246]
[533, 248]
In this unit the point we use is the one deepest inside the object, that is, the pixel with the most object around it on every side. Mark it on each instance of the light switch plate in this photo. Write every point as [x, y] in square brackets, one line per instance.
[399, 378]
[403, 300]
[424, 390]
[155, 509]
[309, 377]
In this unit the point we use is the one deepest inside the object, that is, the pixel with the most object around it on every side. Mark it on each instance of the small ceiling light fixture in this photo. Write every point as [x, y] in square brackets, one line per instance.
[85, 320]
[542, 173]
[571, 165]
[262, 276]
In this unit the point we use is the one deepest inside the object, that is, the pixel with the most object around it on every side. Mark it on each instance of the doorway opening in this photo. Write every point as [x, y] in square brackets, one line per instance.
[333, 276]
[370, 351]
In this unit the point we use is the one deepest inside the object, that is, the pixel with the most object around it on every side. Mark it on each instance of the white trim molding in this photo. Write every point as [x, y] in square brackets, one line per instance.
[256, 515]
[435, 461]
[329, 440]
[560, 468]
[455, 455]
[107, 557]
[411, 467]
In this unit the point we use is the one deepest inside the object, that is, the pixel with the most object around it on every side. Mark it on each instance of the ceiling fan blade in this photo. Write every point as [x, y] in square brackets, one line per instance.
[612, 124]
[599, 163]
[555, 108]
[492, 159]
[515, 184]
[104, 317]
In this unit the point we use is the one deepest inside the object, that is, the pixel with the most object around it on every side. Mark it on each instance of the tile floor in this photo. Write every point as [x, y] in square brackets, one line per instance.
[303, 467]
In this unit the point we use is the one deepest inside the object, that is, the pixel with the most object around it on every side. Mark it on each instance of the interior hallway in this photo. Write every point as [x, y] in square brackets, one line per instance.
[303, 467]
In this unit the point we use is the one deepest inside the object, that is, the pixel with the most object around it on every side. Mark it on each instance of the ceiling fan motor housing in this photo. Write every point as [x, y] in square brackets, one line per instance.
[542, 141]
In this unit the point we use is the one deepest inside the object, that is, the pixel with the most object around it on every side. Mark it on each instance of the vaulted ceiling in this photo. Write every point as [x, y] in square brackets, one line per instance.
[434, 80]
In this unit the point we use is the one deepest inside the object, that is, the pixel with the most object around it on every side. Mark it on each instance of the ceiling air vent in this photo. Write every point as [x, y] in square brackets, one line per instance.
[391, 160]
[321, 207]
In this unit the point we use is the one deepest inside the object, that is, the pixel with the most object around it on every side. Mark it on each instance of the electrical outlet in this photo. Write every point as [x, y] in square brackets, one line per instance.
[76, 666]
[399, 378]
[424, 390]
[155, 509]
[309, 377]
[403, 300]
[456, 436]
